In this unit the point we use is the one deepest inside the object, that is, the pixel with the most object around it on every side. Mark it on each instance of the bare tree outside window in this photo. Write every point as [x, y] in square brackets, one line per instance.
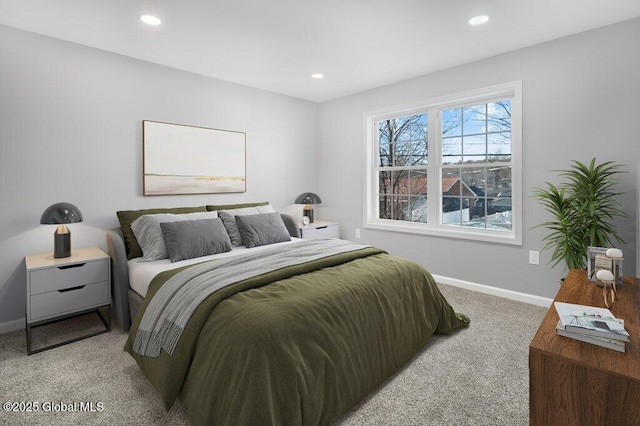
[476, 176]
[403, 159]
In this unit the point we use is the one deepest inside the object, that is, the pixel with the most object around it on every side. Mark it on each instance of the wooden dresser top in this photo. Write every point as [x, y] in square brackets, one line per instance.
[579, 290]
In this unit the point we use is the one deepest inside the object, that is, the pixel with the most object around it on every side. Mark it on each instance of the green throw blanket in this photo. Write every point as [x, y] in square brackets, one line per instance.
[299, 345]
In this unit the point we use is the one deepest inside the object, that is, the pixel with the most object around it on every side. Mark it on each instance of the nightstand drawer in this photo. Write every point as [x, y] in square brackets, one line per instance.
[56, 303]
[320, 232]
[68, 276]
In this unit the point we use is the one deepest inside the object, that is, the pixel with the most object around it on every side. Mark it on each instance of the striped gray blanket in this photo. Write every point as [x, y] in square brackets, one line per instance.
[173, 304]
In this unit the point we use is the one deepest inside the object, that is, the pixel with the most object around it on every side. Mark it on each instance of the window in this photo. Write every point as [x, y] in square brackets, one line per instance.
[449, 166]
[402, 171]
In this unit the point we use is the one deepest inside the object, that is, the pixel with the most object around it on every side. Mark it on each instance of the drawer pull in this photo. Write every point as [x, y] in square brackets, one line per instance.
[77, 265]
[321, 227]
[71, 289]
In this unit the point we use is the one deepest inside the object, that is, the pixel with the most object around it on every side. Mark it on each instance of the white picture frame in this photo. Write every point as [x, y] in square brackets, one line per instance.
[181, 159]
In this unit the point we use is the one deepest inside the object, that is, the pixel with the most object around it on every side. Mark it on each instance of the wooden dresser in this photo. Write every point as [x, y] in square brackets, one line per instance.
[576, 383]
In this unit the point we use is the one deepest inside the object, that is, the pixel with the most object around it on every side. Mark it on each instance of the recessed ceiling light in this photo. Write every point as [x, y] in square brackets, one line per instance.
[317, 76]
[479, 20]
[150, 19]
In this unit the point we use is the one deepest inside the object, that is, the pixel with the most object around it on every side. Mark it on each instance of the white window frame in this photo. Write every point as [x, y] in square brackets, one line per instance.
[433, 108]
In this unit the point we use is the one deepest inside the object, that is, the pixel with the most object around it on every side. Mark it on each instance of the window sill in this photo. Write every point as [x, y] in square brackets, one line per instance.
[497, 237]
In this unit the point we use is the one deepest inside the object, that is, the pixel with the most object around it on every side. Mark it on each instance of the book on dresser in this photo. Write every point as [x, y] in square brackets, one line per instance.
[616, 345]
[590, 321]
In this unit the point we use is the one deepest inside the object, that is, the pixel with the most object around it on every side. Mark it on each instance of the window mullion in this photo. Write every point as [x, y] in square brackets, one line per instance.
[434, 182]
[375, 171]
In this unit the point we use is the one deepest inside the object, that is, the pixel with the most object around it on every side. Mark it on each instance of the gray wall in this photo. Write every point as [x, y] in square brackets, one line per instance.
[581, 99]
[71, 130]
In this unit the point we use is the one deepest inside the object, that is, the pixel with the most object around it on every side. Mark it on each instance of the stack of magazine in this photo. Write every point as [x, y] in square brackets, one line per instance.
[592, 325]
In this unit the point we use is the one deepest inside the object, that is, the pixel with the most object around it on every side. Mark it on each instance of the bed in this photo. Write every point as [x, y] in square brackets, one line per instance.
[297, 334]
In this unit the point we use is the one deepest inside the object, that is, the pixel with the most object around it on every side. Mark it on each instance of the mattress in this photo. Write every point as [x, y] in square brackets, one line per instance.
[141, 273]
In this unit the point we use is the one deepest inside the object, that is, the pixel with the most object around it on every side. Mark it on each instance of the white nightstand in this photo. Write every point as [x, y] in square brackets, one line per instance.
[62, 288]
[319, 230]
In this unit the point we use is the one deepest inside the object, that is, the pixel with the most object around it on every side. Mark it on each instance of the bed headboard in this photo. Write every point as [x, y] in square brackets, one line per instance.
[126, 302]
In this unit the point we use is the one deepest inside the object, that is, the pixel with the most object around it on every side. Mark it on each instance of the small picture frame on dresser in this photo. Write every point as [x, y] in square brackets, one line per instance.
[596, 259]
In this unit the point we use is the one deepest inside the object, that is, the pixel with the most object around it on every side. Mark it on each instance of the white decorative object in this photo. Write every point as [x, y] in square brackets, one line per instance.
[614, 253]
[597, 259]
[607, 275]
[604, 275]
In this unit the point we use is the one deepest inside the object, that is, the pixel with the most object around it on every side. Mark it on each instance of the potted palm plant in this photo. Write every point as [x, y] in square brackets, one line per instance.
[583, 209]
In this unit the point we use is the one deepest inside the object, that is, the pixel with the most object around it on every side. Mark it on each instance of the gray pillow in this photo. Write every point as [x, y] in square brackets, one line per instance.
[229, 219]
[189, 239]
[262, 229]
[148, 233]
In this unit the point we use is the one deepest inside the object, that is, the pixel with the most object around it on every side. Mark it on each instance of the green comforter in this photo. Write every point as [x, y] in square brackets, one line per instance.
[301, 345]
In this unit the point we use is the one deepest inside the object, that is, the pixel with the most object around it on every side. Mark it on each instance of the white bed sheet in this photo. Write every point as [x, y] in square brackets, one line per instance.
[141, 273]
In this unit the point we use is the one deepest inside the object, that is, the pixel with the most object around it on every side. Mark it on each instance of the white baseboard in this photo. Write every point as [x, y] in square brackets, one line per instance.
[495, 291]
[9, 326]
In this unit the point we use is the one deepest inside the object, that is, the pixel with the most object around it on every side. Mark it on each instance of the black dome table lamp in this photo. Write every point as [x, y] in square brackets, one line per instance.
[61, 214]
[308, 198]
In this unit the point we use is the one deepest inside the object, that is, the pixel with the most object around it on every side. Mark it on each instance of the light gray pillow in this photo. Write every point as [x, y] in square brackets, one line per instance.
[229, 219]
[147, 231]
[262, 229]
[189, 239]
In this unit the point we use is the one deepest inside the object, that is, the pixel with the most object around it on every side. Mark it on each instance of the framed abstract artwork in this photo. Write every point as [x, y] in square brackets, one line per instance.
[181, 159]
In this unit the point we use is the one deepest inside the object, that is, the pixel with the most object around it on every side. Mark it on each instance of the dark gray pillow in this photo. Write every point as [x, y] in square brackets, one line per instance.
[262, 229]
[189, 239]
[229, 220]
[147, 230]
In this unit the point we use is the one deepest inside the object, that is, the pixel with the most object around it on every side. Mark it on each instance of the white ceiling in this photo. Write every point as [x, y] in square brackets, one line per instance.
[277, 44]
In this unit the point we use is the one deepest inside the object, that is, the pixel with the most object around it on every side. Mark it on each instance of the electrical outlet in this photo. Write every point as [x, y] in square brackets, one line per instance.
[534, 257]
[357, 232]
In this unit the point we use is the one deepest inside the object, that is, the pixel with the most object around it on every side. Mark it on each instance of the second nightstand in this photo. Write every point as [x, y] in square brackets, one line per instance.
[319, 230]
[61, 288]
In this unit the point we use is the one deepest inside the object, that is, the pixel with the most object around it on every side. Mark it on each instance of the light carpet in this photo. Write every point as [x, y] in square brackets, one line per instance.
[477, 376]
